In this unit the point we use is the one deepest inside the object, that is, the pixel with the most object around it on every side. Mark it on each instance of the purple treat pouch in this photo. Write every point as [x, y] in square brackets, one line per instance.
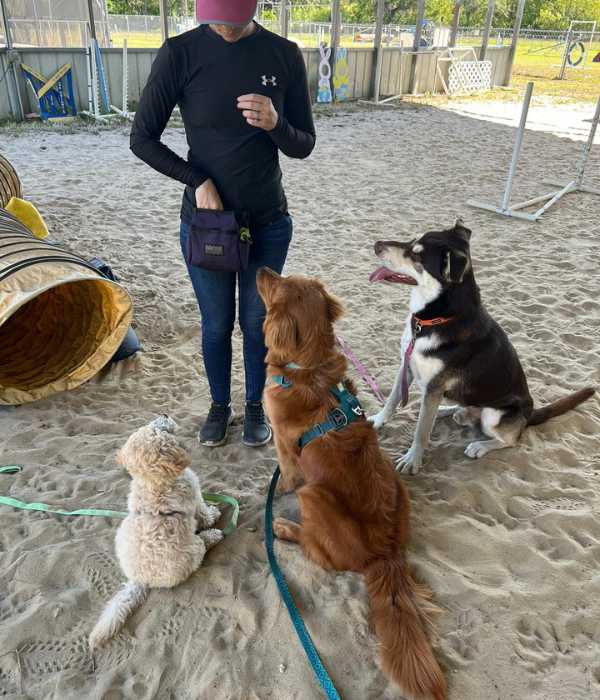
[217, 241]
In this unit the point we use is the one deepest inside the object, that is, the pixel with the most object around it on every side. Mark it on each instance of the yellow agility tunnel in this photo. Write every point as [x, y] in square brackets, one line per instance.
[61, 321]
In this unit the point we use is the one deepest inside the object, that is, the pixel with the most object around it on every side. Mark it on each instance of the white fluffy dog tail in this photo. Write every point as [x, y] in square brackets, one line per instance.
[116, 612]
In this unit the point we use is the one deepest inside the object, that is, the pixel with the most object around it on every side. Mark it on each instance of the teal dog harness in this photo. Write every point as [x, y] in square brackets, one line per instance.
[348, 411]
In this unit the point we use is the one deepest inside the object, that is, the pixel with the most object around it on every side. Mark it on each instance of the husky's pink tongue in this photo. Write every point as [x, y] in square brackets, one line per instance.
[383, 274]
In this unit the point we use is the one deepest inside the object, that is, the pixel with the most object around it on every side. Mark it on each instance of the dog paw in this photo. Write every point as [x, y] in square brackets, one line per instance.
[212, 515]
[211, 537]
[378, 420]
[411, 462]
[285, 529]
[478, 449]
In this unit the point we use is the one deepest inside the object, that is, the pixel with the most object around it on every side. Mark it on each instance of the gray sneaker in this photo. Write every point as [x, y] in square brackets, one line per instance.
[214, 431]
[257, 431]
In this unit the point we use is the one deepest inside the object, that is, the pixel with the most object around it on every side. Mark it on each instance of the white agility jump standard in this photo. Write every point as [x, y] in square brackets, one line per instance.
[124, 111]
[575, 185]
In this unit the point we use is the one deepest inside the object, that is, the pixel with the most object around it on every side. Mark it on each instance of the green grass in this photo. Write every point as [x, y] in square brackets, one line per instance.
[535, 60]
[543, 68]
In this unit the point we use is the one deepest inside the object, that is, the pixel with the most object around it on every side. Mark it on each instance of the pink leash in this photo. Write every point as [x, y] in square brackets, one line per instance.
[361, 369]
[405, 366]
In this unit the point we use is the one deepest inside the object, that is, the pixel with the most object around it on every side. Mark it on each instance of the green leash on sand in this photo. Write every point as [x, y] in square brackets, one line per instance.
[230, 500]
[103, 513]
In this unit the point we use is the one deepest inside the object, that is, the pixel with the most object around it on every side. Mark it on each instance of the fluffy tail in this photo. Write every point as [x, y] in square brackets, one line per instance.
[541, 415]
[402, 613]
[116, 612]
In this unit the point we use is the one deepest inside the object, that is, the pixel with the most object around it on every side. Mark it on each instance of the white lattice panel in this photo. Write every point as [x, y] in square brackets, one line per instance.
[469, 76]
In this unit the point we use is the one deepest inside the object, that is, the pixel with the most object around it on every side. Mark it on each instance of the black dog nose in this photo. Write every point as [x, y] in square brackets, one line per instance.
[379, 247]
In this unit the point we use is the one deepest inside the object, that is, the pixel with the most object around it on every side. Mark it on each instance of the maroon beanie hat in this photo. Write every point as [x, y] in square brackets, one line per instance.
[235, 13]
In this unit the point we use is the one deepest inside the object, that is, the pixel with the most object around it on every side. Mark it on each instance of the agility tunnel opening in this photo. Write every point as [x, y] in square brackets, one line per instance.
[61, 321]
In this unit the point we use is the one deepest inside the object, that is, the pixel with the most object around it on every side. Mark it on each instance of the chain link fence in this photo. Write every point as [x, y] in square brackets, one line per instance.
[30, 28]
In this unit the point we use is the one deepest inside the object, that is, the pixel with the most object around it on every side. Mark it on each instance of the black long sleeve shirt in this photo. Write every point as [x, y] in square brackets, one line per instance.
[204, 75]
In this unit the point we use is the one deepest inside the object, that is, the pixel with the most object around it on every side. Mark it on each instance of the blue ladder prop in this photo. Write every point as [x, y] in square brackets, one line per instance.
[302, 632]
[54, 95]
[102, 84]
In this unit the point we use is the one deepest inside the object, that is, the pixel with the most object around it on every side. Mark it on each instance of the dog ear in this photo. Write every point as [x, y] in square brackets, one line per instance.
[266, 282]
[462, 230]
[335, 308]
[284, 332]
[174, 459]
[455, 264]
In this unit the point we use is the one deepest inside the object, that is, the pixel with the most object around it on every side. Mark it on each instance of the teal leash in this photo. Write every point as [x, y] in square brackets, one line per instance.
[302, 632]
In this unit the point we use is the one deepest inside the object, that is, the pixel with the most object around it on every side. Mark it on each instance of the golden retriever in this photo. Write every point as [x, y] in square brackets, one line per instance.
[354, 508]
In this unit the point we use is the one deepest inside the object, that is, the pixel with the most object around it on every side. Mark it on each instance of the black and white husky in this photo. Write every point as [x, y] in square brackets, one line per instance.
[455, 350]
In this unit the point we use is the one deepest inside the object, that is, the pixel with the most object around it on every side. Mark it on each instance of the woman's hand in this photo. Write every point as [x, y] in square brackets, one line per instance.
[259, 111]
[207, 196]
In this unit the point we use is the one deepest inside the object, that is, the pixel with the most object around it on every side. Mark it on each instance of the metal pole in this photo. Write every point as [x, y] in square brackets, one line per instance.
[416, 45]
[88, 65]
[565, 57]
[125, 79]
[515, 39]
[455, 24]
[164, 19]
[95, 85]
[91, 19]
[336, 21]
[570, 187]
[588, 146]
[11, 69]
[9, 44]
[487, 28]
[517, 147]
[378, 49]
[284, 19]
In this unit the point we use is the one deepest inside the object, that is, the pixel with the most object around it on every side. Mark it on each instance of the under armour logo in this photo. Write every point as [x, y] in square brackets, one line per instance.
[272, 80]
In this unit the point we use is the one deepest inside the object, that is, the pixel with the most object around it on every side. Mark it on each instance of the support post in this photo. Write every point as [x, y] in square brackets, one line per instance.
[587, 149]
[88, 65]
[487, 28]
[164, 19]
[91, 20]
[455, 24]
[284, 19]
[378, 50]
[125, 100]
[515, 39]
[14, 94]
[336, 22]
[416, 45]
[517, 147]
[565, 56]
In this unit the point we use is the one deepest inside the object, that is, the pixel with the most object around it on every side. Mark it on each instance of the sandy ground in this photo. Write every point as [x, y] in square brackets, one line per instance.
[510, 544]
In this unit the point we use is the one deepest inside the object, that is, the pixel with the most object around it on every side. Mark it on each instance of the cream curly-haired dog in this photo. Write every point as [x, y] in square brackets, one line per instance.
[157, 544]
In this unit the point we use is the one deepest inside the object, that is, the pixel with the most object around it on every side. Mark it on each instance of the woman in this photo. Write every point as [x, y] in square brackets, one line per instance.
[243, 96]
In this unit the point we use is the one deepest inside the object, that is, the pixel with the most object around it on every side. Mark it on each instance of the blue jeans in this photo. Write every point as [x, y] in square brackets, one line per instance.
[215, 292]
